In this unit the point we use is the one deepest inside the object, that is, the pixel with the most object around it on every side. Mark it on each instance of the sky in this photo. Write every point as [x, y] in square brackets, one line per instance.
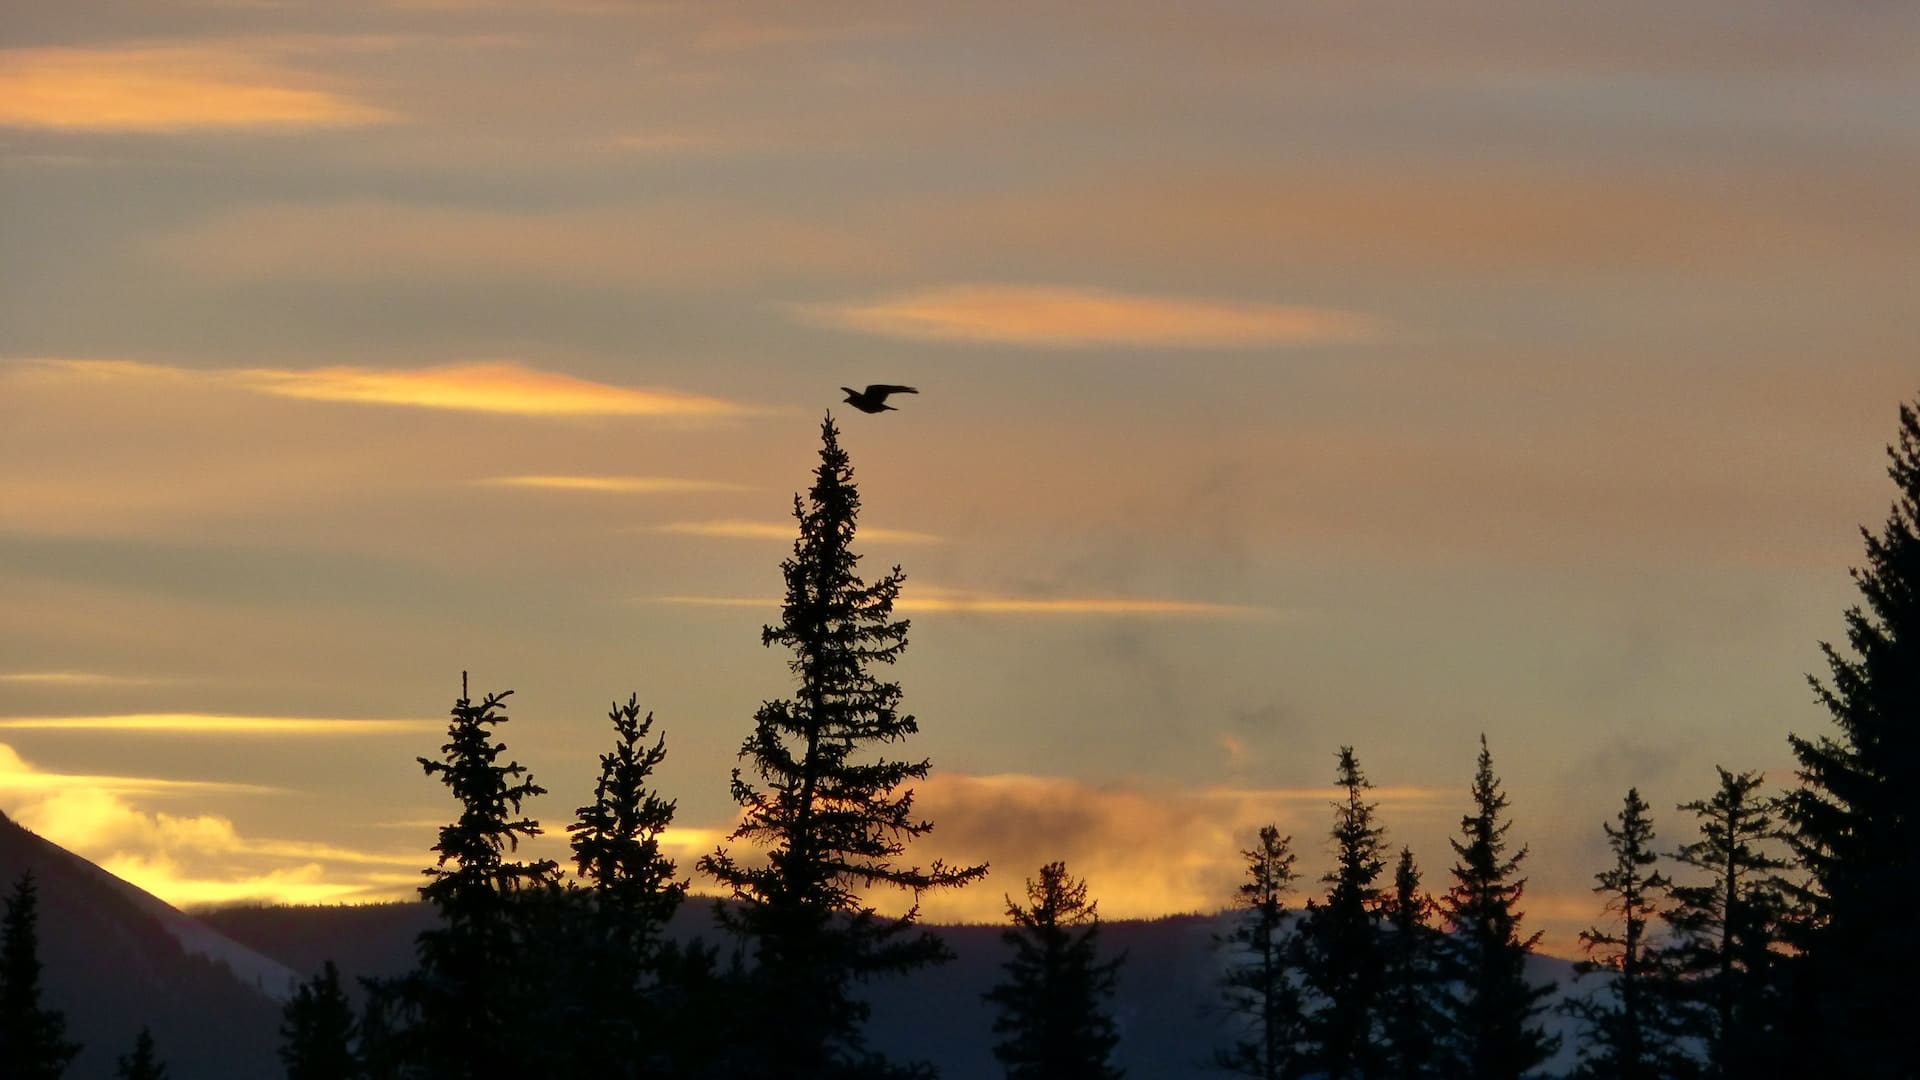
[1291, 376]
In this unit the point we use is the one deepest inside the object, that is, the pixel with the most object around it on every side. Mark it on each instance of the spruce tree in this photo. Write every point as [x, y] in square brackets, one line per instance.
[317, 1030]
[1491, 1019]
[1726, 928]
[1631, 1033]
[480, 987]
[143, 1064]
[1855, 819]
[1257, 989]
[1340, 957]
[832, 813]
[621, 1024]
[1409, 985]
[1052, 1022]
[33, 1043]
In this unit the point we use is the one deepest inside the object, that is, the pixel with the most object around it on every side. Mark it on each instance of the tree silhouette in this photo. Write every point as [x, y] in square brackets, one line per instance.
[1257, 987]
[832, 814]
[1052, 1018]
[1409, 983]
[1492, 1034]
[1855, 820]
[317, 1030]
[33, 1043]
[621, 1025]
[1340, 958]
[477, 989]
[142, 1064]
[1727, 927]
[1631, 1030]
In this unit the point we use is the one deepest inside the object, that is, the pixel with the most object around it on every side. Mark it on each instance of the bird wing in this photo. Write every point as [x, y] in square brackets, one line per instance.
[881, 390]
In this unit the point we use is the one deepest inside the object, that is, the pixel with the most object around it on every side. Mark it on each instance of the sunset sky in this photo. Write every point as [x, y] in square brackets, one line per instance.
[1292, 375]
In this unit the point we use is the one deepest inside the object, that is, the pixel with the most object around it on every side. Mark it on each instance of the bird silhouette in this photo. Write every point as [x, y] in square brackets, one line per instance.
[874, 398]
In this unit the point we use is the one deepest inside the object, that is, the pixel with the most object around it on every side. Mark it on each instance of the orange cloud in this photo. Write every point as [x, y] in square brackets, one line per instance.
[624, 485]
[1070, 317]
[483, 387]
[490, 387]
[217, 724]
[1146, 851]
[164, 89]
[186, 859]
[736, 529]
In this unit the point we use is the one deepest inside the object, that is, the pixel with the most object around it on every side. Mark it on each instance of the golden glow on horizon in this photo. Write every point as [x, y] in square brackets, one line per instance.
[738, 529]
[1074, 317]
[19, 778]
[162, 89]
[483, 386]
[217, 724]
[625, 485]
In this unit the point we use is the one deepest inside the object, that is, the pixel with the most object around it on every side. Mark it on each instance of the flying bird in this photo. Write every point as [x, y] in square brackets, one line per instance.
[874, 398]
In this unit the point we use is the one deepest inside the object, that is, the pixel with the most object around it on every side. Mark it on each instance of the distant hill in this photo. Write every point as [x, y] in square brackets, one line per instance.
[1163, 1009]
[210, 984]
[116, 958]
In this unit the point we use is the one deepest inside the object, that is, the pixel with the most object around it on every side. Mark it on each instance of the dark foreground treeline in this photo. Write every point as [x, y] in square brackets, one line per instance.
[1779, 946]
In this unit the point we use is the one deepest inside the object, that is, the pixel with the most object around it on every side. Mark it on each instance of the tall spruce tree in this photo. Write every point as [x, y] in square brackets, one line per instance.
[1409, 984]
[832, 813]
[1631, 1032]
[1340, 956]
[481, 990]
[1855, 819]
[317, 1030]
[1257, 988]
[1492, 1028]
[33, 1044]
[1726, 947]
[1053, 1022]
[621, 1025]
[144, 1063]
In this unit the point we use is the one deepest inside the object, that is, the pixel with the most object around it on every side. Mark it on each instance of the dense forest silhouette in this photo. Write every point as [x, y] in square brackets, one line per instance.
[1770, 933]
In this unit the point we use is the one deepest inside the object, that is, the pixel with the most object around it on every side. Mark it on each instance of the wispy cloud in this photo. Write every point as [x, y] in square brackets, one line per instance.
[18, 778]
[484, 387]
[217, 724]
[165, 89]
[932, 599]
[738, 529]
[79, 679]
[488, 387]
[1064, 317]
[678, 244]
[621, 485]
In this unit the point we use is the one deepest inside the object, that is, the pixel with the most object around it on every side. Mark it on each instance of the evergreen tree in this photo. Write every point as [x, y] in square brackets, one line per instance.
[1052, 1018]
[143, 1064]
[1631, 1031]
[1340, 957]
[480, 987]
[620, 1025]
[33, 1043]
[1855, 820]
[317, 1030]
[1409, 986]
[833, 815]
[1257, 988]
[1491, 1019]
[1727, 928]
